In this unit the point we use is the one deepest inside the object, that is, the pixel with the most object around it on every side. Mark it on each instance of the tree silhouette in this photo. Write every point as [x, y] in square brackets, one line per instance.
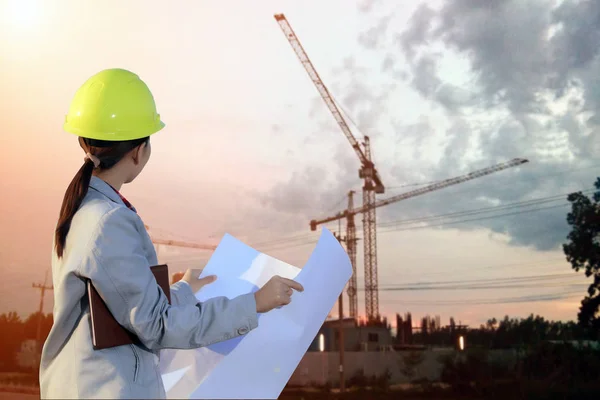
[12, 329]
[583, 251]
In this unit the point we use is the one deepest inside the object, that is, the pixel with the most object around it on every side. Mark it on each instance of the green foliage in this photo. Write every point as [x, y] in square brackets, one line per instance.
[560, 371]
[583, 251]
[546, 371]
[14, 332]
[382, 382]
[379, 383]
[359, 379]
[509, 333]
[471, 371]
[18, 379]
[562, 363]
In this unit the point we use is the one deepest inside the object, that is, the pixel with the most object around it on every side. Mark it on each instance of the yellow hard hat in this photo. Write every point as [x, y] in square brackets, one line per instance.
[113, 105]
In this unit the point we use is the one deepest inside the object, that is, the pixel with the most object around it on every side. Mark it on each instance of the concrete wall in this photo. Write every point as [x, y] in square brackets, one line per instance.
[318, 368]
[355, 338]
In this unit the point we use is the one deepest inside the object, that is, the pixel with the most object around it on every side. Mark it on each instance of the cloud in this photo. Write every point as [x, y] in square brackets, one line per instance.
[418, 30]
[527, 58]
[532, 91]
[366, 6]
[371, 38]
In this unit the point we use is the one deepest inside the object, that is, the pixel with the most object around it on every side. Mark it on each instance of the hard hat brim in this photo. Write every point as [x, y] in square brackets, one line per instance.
[118, 136]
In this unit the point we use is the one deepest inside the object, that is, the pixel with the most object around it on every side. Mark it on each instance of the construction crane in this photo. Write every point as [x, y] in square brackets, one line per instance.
[178, 243]
[367, 172]
[371, 284]
[372, 185]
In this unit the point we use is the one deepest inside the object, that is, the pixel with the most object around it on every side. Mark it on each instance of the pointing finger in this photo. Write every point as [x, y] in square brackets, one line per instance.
[293, 284]
[196, 272]
[208, 279]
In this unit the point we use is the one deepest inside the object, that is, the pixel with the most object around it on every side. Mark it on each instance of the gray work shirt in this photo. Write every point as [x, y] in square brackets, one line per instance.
[108, 244]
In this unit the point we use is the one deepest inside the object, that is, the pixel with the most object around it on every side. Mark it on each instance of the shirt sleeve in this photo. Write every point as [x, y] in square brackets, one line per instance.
[121, 274]
[181, 293]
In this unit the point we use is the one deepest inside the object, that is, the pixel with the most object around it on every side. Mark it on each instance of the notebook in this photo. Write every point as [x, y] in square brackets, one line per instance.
[106, 331]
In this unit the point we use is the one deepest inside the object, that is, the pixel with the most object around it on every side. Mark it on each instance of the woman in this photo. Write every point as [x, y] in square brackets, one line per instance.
[99, 237]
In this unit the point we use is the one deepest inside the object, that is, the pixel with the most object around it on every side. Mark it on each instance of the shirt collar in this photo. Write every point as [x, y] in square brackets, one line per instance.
[110, 192]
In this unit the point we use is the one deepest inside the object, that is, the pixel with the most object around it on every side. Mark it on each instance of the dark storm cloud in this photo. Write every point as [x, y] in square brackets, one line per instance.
[506, 43]
[522, 55]
[418, 31]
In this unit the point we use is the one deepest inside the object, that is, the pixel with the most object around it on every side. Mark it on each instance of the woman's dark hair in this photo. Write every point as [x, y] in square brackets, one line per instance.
[109, 153]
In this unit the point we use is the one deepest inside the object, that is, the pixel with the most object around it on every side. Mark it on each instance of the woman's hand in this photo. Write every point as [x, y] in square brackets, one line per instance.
[276, 292]
[191, 277]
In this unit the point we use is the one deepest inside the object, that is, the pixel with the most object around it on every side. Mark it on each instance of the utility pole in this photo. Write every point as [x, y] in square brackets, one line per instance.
[341, 328]
[38, 334]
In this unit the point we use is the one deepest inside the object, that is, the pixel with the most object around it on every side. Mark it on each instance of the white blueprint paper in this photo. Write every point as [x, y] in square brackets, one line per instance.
[259, 364]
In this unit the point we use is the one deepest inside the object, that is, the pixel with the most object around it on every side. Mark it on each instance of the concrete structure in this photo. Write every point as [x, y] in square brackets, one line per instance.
[318, 368]
[356, 338]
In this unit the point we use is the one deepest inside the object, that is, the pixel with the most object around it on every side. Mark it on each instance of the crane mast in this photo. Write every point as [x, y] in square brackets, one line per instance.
[370, 244]
[351, 248]
[367, 166]
[372, 186]
[371, 290]
[367, 172]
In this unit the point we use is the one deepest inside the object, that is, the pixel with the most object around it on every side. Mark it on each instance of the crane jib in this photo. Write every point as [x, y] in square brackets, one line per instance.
[436, 186]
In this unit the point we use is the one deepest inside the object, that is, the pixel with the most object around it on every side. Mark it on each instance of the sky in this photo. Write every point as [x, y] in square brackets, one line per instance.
[441, 88]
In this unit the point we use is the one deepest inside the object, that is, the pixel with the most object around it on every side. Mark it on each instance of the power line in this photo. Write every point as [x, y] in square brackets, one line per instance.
[525, 203]
[307, 239]
[522, 178]
[505, 300]
[307, 242]
[310, 236]
[495, 267]
[475, 219]
[483, 287]
[493, 280]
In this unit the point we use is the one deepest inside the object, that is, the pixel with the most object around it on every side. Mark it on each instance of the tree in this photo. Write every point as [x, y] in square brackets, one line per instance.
[583, 251]
[12, 330]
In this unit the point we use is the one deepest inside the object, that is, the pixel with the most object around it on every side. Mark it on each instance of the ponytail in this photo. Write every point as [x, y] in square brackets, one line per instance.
[74, 195]
[108, 154]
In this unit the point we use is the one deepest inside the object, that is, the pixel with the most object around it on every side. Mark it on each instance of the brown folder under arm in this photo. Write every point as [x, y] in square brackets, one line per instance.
[106, 331]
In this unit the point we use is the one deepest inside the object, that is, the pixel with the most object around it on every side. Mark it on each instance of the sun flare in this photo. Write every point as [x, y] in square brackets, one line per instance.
[22, 14]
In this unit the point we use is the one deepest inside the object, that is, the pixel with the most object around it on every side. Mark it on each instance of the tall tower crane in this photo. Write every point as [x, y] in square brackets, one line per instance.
[367, 172]
[372, 185]
[371, 284]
